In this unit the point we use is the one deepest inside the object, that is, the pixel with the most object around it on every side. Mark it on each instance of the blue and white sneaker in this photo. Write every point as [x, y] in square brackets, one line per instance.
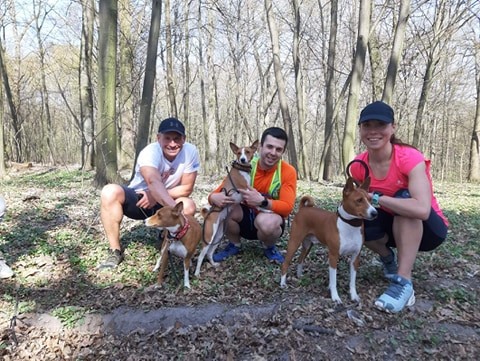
[274, 255]
[390, 267]
[229, 251]
[398, 295]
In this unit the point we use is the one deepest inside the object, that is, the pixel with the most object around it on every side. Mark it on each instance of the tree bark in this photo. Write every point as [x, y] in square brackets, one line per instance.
[282, 96]
[357, 74]
[86, 85]
[300, 91]
[149, 79]
[474, 168]
[396, 53]
[106, 156]
[169, 50]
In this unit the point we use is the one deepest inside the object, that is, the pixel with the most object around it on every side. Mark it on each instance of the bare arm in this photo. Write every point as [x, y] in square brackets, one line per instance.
[420, 203]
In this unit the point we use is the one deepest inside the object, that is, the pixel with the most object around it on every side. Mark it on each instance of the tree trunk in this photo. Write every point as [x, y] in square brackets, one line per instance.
[149, 79]
[396, 53]
[300, 92]
[282, 96]
[169, 50]
[106, 156]
[357, 73]
[44, 93]
[474, 168]
[86, 85]
[326, 167]
[11, 104]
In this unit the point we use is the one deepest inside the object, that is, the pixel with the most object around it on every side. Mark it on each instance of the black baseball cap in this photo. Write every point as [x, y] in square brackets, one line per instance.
[377, 111]
[171, 125]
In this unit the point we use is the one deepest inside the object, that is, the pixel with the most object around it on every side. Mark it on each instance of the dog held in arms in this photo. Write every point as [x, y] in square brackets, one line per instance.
[214, 217]
[184, 234]
[341, 232]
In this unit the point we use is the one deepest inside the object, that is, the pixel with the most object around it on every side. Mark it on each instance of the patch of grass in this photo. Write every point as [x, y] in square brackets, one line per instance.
[69, 316]
[457, 294]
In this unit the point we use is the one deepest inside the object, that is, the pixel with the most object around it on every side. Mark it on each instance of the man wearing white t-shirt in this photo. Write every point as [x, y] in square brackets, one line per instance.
[165, 174]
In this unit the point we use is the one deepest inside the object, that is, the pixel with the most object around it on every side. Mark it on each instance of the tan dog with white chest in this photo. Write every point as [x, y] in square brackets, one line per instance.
[341, 232]
[184, 236]
[214, 217]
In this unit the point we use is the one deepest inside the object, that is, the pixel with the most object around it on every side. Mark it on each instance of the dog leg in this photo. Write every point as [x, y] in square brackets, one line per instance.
[332, 276]
[354, 263]
[186, 271]
[162, 260]
[306, 247]
[200, 259]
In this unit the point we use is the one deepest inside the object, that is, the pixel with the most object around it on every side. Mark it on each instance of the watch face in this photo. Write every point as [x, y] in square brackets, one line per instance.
[264, 203]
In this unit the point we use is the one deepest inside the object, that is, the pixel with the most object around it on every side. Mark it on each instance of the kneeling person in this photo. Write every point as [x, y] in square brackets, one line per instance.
[273, 187]
[165, 174]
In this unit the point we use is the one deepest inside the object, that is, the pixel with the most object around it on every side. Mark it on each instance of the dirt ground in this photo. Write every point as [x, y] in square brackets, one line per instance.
[58, 307]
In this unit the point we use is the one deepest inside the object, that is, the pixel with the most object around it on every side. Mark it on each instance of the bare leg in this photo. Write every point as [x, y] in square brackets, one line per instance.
[111, 213]
[408, 235]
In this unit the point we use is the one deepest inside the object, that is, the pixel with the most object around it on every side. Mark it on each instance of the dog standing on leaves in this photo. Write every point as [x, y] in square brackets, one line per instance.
[184, 234]
[215, 218]
[341, 232]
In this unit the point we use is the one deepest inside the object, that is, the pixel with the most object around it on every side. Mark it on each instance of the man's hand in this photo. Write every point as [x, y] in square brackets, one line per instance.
[221, 199]
[251, 196]
[145, 200]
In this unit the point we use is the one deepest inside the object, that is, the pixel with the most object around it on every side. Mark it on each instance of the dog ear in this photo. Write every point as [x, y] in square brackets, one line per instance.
[366, 183]
[255, 145]
[178, 207]
[349, 186]
[234, 147]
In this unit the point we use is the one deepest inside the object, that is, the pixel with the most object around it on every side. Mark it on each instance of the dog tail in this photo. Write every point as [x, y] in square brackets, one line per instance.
[307, 201]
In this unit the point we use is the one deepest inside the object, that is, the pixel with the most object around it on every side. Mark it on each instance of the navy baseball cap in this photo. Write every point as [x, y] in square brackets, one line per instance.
[171, 125]
[377, 111]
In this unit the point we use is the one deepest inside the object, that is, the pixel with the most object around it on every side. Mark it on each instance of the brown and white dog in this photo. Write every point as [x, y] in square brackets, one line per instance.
[184, 236]
[214, 217]
[341, 232]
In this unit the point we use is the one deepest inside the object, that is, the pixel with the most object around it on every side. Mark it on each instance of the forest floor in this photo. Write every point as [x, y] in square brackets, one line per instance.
[59, 307]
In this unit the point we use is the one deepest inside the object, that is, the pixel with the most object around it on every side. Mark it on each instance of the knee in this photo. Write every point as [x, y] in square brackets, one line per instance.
[110, 192]
[189, 206]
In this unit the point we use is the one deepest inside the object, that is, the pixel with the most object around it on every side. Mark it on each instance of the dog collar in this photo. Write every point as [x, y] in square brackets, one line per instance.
[183, 230]
[354, 222]
[240, 166]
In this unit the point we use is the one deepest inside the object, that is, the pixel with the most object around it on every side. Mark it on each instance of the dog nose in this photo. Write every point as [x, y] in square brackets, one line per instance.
[374, 213]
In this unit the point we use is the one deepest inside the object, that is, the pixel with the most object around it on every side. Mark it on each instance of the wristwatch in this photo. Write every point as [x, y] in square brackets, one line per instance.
[375, 199]
[264, 203]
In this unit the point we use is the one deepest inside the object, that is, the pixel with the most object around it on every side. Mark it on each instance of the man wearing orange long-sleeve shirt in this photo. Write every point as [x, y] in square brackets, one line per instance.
[273, 187]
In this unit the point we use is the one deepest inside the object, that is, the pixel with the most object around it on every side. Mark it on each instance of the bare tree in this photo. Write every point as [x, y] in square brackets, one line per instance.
[447, 19]
[474, 168]
[106, 156]
[282, 96]
[299, 90]
[357, 74]
[396, 53]
[169, 50]
[86, 85]
[149, 79]
[326, 168]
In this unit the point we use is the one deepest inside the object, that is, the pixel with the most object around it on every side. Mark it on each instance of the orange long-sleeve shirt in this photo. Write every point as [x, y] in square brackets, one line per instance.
[288, 189]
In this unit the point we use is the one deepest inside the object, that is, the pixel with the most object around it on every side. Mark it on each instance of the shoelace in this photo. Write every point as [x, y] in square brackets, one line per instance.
[395, 290]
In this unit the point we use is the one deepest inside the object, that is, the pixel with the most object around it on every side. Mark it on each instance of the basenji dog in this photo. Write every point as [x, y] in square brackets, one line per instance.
[341, 232]
[214, 218]
[184, 234]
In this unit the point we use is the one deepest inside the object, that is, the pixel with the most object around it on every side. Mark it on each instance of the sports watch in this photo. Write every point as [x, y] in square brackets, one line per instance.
[375, 199]
[264, 203]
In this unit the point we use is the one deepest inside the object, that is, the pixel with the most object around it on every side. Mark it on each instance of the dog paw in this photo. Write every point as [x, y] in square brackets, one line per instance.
[215, 264]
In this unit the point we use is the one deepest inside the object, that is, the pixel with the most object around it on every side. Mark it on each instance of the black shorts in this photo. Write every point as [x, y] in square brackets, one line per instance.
[247, 227]
[130, 208]
[434, 228]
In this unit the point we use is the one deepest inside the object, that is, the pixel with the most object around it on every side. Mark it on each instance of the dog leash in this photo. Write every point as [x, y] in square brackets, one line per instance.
[365, 167]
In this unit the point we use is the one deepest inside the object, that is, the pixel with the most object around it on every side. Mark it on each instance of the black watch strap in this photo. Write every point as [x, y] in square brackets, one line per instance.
[264, 202]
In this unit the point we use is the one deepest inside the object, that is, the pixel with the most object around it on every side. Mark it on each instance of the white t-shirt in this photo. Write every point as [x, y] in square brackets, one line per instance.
[187, 161]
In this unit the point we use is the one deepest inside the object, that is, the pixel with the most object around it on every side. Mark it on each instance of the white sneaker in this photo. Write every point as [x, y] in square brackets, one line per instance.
[5, 271]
